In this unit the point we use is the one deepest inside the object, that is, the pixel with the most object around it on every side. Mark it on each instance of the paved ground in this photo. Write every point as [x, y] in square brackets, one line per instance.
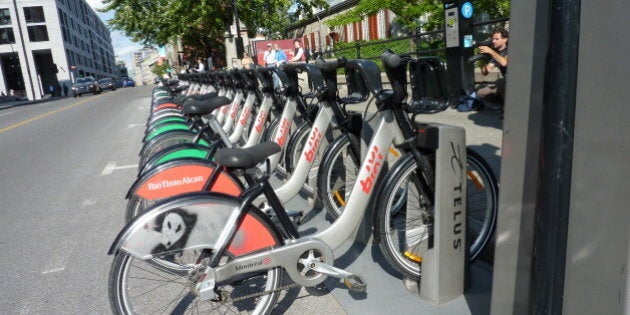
[483, 133]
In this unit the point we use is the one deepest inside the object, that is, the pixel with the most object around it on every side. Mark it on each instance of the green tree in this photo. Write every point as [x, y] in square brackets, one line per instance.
[160, 69]
[408, 11]
[199, 24]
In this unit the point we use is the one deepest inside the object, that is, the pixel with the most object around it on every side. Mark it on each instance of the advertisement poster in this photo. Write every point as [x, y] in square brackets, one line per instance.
[261, 46]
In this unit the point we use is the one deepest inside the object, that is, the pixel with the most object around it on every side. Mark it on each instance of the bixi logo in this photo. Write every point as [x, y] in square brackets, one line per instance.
[260, 121]
[283, 131]
[373, 166]
[245, 115]
[313, 142]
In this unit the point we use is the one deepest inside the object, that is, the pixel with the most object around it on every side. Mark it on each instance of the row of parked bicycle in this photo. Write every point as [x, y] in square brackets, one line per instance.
[206, 229]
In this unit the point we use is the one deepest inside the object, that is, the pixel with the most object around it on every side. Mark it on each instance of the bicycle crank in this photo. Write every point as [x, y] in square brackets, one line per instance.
[314, 264]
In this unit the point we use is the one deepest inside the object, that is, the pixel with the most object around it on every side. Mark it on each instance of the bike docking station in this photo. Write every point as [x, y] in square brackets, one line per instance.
[443, 256]
[443, 264]
[445, 275]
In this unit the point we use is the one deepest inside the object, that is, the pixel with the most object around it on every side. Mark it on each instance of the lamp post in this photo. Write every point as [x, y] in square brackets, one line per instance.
[239, 39]
[319, 34]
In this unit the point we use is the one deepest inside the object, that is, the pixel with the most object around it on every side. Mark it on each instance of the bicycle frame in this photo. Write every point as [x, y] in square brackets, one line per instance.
[344, 228]
[322, 123]
[261, 118]
[282, 134]
[243, 117]
[233, 111]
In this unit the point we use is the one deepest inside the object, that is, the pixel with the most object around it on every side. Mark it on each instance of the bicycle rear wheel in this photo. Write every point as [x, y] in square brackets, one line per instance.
[166, 284]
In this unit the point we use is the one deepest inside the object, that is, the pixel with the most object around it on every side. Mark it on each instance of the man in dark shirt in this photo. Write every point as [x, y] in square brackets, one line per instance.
[499, 59]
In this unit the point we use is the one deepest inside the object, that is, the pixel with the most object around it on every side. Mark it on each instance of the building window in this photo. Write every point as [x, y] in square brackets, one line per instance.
[5, 17]
[37, 33]
[6, 35]
[34, 15]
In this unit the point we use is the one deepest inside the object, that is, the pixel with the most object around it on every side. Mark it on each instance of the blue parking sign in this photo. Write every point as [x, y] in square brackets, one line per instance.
[467, 10]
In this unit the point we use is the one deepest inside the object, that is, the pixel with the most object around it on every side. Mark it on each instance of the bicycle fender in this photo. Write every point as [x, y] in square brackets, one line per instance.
[165, 105]
[187, 136]
[166, 128]
[194, 221]
[176, 152]
[182, 176]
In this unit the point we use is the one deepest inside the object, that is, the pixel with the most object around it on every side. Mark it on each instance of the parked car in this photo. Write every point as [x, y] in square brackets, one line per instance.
[128, 82]
[107, 84]
[85, 85]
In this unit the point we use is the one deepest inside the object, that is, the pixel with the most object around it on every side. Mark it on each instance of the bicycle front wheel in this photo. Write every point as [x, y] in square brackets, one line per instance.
[482, 202]
[405, 217]
[337, 173]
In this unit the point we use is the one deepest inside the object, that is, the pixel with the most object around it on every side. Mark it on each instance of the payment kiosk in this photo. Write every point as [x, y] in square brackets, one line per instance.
[458, 33]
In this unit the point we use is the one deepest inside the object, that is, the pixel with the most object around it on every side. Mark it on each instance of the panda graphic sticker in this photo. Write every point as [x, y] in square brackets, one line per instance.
[174, 227]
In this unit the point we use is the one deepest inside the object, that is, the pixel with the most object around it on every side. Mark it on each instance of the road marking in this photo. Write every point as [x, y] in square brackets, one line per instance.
[45, 115]
[111, 167]
[89, 202]
[53, 270]
[7, 113]
[135, 125]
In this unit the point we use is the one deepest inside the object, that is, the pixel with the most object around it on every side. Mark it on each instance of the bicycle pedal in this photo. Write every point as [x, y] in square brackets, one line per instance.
[355, 283]
[295, 216]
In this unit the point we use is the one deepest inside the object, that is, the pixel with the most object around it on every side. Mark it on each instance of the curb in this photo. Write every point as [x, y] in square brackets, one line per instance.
[28, 102]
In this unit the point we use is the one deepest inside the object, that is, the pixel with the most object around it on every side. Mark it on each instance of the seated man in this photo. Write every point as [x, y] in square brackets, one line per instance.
[499, 58]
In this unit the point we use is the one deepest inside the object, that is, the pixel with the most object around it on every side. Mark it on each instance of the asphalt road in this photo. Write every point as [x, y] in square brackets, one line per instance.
[59, 209]
[66, 166]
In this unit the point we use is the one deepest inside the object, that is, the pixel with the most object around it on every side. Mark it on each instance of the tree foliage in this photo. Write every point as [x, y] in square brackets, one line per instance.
[160, 69]
[200, 24]
[408, 12]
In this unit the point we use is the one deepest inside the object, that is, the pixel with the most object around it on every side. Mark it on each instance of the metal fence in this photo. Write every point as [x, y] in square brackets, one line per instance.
[420, 44]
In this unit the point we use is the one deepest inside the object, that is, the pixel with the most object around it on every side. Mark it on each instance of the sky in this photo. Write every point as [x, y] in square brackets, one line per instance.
[123, 46]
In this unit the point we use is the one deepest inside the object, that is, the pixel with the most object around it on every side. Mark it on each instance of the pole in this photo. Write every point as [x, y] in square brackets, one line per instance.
[239, 39]
[554, 190]
[319, 34]
[28, 67]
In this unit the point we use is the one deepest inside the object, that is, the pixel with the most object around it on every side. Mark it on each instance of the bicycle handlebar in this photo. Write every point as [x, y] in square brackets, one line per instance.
[328, 66]
[317, 80]
[390, 59]
[475, 58]
[369, 72]
[395, 68]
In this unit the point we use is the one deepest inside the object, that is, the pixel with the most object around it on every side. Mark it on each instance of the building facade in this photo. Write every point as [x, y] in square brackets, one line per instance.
[318, 37]
[45, 44]
[143, 61]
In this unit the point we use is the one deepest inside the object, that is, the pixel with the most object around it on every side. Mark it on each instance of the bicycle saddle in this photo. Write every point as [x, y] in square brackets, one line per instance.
[246, 158]
[179, 100]
[194, 106]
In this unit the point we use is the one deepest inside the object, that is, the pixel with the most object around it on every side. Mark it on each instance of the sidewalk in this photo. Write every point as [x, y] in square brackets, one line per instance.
[4, 104]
